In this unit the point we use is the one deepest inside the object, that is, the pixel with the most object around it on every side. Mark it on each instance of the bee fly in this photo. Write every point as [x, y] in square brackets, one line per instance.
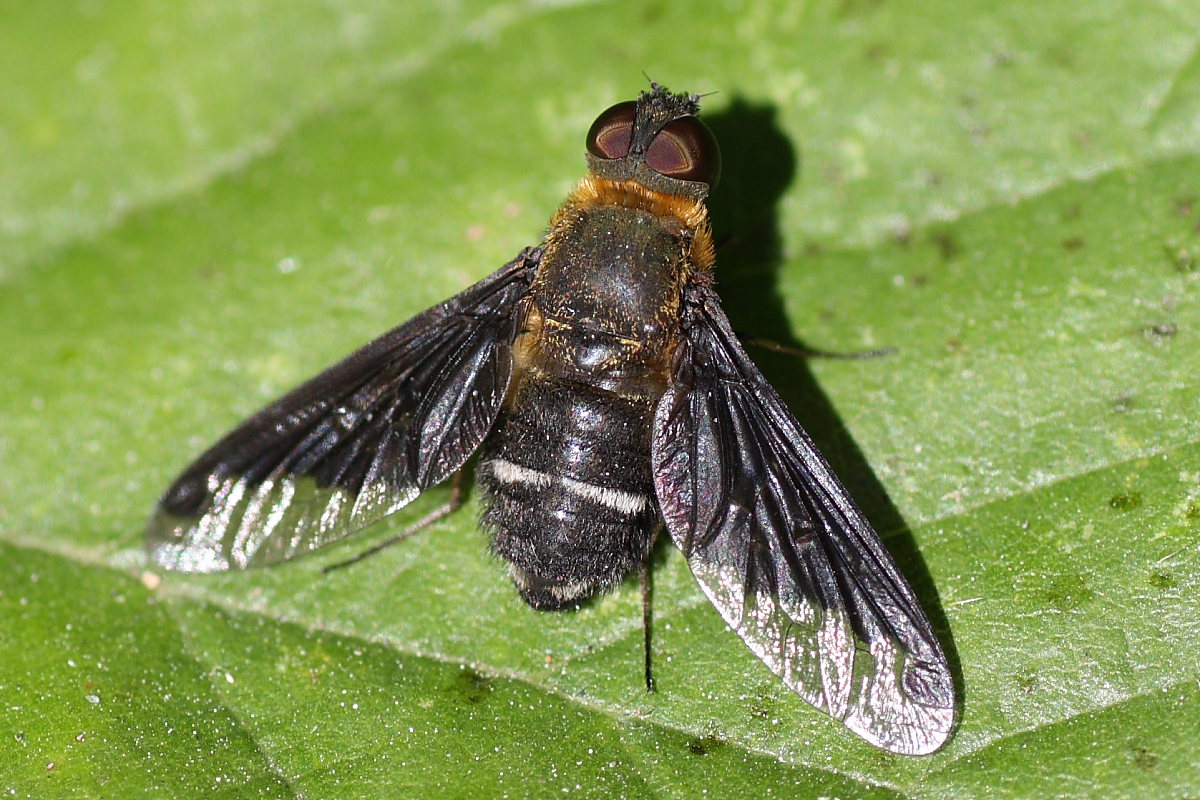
[607, 395]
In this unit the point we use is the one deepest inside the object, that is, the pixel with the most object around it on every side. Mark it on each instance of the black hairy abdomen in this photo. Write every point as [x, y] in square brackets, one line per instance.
[568, 495]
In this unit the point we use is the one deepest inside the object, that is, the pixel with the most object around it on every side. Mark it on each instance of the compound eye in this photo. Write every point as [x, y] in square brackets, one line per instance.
[686, 149]
[612, 131]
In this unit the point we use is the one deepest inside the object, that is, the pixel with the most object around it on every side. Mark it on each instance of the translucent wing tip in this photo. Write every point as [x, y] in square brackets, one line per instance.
[931, 731]
[893, 699]
[914, 715]
[172, 543]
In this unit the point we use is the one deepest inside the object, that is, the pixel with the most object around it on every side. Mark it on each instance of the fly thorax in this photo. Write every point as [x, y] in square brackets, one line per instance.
[612, 270]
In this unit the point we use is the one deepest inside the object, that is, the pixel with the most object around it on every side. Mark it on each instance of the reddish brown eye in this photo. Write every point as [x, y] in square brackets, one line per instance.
[687, 150]
[610, 134]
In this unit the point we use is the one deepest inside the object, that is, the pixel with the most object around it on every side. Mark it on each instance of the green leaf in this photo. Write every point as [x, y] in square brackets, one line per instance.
[201, 205]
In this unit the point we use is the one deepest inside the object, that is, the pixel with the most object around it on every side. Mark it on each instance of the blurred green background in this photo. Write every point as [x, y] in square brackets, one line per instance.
[203, 203]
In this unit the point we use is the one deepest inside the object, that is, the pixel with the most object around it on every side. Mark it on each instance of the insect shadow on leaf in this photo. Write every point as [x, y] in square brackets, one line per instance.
[760, 164]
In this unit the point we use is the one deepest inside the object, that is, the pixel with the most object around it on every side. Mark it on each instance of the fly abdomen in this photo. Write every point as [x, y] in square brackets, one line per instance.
[568, 493]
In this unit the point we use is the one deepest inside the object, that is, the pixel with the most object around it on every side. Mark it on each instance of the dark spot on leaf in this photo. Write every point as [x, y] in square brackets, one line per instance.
[763, 706]
[1001, 58]
[652, 12]
[1125, 501]
[1182, 259]
[206, 273]
[947, 245]
[876, 51]
[472, 686]
[1073, 243]
[919, 280]
[1067, 592]
[1123, 403]
[1185, 204]
[1027, 681]
[1192, 513]
[1145, 759]
[1061, 54]
[1162, 580]
[705, 745]
[68, 354]
[1160, 332]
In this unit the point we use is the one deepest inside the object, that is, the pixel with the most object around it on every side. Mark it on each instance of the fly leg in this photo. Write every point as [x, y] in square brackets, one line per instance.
[645, 582]
[451, 505]
[805, 352]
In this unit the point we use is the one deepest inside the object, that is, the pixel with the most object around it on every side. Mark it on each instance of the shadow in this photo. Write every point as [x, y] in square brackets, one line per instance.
[759, 164]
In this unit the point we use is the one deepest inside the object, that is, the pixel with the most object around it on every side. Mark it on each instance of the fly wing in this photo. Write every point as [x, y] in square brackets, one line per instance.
[355, 443]
[783, 553]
